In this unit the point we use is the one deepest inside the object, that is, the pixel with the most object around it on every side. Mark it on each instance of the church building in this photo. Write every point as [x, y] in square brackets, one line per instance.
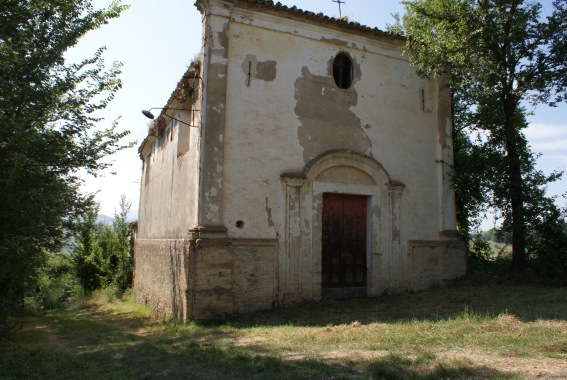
[300, 158]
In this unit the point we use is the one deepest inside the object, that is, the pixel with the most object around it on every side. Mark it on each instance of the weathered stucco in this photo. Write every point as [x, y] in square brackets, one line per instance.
[274, 135]
[327, 123]
[215, 50]
[169, 180]
[160, 276]
[230, 276]
[253, 69]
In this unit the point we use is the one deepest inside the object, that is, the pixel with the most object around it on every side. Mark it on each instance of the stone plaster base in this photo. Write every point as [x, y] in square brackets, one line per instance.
[435, 262]
[205, 278]
[209, 277]
[160, 272]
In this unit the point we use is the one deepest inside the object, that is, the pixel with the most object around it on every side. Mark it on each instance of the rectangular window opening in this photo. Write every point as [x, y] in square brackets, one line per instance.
[183, 137]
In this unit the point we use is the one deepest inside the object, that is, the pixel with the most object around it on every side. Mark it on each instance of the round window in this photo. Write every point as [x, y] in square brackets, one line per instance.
[342, 71]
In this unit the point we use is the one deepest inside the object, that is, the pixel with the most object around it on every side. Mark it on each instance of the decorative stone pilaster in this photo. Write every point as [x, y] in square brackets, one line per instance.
[449, 235]
[398, 264]
[290, 267]
[211, 234]
[214, 77]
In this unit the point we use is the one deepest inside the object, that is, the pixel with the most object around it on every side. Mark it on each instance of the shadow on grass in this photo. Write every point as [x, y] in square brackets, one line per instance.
[175, 360]
[397, 367]
[106, 345]
[527, 303]
[105, 352]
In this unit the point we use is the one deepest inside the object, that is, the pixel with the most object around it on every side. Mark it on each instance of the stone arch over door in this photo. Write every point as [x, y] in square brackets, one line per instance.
[342, 172]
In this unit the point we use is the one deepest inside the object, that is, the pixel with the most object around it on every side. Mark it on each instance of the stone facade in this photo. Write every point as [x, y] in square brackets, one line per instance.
[283, 108]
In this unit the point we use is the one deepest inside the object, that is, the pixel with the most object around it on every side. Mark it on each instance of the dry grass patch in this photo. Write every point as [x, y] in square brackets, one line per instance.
[463, 332]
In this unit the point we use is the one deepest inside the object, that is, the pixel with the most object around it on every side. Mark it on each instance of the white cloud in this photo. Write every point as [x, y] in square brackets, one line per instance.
[538, 131]
[549, 145]
[561, 160]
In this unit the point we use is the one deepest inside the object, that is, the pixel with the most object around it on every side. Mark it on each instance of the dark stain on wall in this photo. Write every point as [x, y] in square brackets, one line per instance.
[223, 36]
[327, 121]
[253, 69]
[266, 70]
[222, 50]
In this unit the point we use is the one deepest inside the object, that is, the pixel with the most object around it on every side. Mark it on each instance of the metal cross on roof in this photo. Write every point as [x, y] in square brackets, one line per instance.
[339, 2]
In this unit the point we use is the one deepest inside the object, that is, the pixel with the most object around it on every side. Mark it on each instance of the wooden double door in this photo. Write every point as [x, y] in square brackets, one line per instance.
[344, 246]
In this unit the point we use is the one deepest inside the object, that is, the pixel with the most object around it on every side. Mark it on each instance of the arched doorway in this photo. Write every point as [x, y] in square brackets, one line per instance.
[320, 202]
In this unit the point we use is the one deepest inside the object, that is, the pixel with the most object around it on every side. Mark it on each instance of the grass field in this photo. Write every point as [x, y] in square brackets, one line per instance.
[465, 331]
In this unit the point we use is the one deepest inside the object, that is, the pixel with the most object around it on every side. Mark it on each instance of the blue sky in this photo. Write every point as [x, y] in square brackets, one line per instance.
[156, 41]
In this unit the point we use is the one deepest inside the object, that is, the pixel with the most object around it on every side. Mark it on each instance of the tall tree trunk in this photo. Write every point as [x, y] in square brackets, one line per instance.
[513, 162]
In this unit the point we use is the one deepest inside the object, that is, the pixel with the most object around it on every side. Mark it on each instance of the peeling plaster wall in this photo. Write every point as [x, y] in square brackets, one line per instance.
[281, 122]
[169, 188]
[278, 125]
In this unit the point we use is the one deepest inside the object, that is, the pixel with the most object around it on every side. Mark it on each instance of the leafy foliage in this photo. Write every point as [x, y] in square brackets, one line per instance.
[86, 257]
[56, 284]
[122, 277]
[480, 250]
[47, 135]
[470, 183]
[547, 246]
[103, 257]
[494, 54]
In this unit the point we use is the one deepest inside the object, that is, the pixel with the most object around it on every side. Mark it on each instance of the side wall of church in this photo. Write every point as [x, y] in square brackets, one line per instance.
[170, 177]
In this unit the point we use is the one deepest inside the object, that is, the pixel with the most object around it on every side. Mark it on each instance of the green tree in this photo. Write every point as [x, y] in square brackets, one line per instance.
[470, 183]
[47, 131]
[87, 253]
[102, 253]
[124, 260]
[495, 54]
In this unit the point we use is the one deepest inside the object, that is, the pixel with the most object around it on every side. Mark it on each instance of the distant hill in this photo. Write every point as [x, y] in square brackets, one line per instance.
[104, 219]
[132, 216]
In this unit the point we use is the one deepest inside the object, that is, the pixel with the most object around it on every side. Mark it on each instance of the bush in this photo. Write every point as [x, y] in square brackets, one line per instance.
[10, 316]
[547, 250]
[480, 250]
[56, 284]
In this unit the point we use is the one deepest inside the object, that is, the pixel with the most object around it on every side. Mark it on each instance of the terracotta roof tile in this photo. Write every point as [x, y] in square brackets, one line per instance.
[299, 14]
